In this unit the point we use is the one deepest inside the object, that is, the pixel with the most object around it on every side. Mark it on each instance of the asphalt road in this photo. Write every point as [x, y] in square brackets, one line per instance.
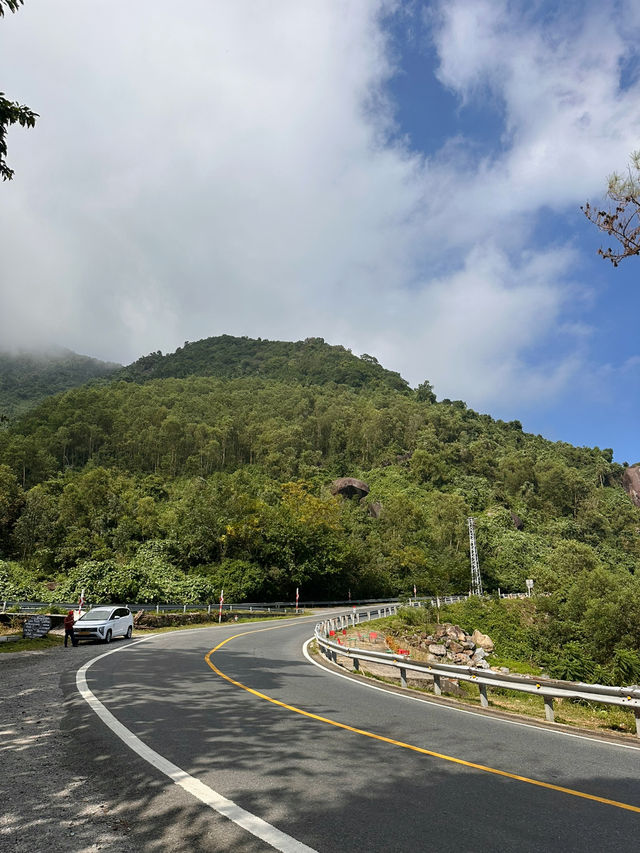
[327, 787]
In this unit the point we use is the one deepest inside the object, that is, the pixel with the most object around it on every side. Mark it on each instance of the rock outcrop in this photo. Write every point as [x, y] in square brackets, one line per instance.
[349, 487]
[631, 482]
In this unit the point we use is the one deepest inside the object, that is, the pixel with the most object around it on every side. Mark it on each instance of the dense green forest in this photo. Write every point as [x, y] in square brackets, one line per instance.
[170, 488]
[26, 378]
[308, 362]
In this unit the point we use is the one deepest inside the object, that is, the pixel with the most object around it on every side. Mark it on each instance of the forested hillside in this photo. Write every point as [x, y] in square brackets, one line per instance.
[172, 488]
[26, 378]
[308, 362]
[210, 482]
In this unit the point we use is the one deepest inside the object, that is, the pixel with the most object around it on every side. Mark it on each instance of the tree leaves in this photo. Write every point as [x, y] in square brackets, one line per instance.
[11, 112]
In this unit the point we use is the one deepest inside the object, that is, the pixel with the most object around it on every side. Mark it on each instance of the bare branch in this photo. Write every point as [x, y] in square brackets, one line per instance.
[621, 221]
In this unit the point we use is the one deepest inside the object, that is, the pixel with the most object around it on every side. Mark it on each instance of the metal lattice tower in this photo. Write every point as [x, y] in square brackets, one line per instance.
[476, 580]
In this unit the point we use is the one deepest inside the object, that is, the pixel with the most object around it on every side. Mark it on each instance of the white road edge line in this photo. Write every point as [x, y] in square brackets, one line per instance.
[473, 713]
[227, 808]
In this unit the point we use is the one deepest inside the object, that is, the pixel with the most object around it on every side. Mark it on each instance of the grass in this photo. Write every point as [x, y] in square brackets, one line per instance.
[518, 667]
[47, 642]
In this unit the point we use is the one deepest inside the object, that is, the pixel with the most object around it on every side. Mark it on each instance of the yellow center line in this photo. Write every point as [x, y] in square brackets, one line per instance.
[482, 767]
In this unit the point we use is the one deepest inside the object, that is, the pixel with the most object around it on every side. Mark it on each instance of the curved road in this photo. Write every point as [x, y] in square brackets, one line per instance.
[425, 780]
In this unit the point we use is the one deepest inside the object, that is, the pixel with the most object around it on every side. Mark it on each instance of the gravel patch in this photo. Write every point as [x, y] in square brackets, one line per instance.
[48, 804]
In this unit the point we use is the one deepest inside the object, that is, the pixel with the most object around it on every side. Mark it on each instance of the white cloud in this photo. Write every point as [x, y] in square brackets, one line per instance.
[474, 329]
[569, 117]
[224, 168]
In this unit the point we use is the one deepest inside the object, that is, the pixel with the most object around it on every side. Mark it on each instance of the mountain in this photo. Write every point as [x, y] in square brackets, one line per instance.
[26, 378]
[308, 362]
[212, 468]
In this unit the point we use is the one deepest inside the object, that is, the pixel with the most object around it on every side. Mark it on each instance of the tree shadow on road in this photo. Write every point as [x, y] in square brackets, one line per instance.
[327, 787]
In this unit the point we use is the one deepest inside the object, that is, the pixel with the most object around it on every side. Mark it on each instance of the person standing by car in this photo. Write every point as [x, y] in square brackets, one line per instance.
[69, 620]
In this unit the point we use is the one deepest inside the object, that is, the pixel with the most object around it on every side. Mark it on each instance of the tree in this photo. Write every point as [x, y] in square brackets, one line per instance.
[11, 112]
[11, 501]
[621, 221]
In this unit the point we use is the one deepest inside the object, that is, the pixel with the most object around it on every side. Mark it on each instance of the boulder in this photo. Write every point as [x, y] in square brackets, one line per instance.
[375, 509]
[631, 483]
[437, 649]
[482, 640]
[454, 633]
[349, 487]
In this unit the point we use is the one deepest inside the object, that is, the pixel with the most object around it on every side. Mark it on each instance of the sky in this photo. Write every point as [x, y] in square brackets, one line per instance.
[402, 178]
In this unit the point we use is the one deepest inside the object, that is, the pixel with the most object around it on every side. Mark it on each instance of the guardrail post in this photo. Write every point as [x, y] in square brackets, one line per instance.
[437, 689]
[484, 699]
[369, 616]
[403, 677]
[548, 708]
[636, 712]
[356, 664]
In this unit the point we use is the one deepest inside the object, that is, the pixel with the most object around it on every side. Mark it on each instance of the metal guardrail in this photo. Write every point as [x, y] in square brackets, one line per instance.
[33, 606]
[548, 688]
[283, 606]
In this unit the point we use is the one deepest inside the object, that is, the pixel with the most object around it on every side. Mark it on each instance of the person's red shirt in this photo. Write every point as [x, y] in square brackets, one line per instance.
[69, 621]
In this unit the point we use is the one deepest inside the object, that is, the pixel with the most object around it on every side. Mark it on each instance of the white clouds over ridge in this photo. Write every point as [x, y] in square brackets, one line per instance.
[225, 168]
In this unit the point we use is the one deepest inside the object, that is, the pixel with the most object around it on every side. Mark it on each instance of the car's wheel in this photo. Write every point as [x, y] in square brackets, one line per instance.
[129, 632]
[107, 639]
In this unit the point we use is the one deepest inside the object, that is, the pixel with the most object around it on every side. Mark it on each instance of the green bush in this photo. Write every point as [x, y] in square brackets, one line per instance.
[572, 664]
[625, 669]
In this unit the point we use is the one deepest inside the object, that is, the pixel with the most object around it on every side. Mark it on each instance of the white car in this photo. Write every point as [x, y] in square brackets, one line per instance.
[104, 624]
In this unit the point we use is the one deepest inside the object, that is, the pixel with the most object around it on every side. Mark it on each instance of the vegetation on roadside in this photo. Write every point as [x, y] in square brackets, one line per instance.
[515, 627]
[527, 637]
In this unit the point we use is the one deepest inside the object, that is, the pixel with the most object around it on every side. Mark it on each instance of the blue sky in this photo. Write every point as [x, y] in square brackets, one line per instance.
[401, 178]
[598, 406]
